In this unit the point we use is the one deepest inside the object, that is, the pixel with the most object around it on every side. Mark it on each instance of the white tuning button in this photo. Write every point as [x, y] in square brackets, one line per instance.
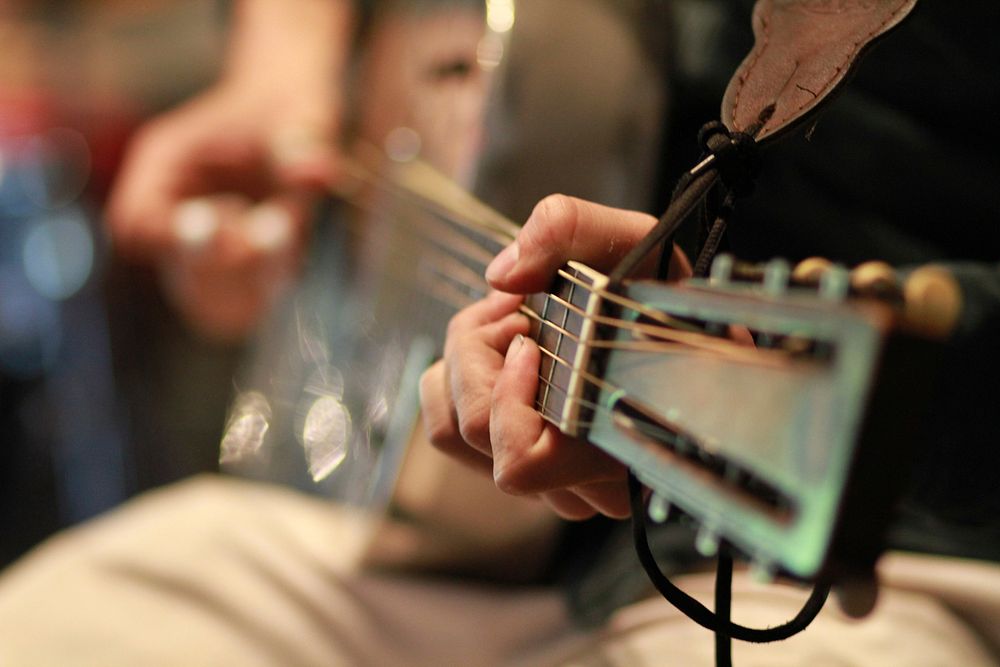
[776, 275]
[659, 508]
[706, 542]
[722, 269]
[835, 283]
[762, 571]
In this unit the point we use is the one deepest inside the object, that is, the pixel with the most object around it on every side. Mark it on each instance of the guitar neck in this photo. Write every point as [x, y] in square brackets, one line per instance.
[769, 446]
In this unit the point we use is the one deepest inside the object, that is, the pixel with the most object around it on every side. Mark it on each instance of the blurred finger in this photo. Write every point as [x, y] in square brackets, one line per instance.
[441, 423]
[473, 361]
[564, 228]
[568, 505]
[531, 455]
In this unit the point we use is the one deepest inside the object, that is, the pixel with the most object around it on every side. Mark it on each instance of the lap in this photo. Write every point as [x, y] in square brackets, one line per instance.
[217, 571]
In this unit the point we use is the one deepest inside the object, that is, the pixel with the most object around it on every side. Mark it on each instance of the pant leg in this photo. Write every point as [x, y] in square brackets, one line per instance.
[911, 627]
[220, 572]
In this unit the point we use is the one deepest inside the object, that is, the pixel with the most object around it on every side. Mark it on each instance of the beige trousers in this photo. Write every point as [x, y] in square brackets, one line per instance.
[222, 572]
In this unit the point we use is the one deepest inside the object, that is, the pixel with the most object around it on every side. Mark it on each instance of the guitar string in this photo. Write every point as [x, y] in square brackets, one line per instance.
[473, 278]
[469, 250]
[455, 271]
[671, 339]
[504, 233]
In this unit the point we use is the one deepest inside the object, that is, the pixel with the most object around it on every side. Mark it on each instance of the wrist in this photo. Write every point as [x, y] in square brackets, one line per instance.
[294, 48]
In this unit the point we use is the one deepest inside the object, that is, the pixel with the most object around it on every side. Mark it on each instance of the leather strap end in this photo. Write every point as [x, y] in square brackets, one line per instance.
[803, 49]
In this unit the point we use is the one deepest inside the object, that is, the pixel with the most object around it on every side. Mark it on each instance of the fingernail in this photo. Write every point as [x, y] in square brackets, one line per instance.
[195, 222]
[503, 263]
[268, 228]
[515, 346]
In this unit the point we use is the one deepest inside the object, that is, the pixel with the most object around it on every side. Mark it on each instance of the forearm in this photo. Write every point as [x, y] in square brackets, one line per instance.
[290, 46]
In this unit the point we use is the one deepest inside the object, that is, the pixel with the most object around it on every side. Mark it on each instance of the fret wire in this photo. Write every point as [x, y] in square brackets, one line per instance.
[545, 393]
[574, 399]
[549, 323]
[562, 328]
[592, 379]
[557, 422]
[630, 304]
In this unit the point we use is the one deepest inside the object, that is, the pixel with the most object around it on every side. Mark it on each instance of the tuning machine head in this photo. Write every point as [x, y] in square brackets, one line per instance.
[777, 273]
[721, 272]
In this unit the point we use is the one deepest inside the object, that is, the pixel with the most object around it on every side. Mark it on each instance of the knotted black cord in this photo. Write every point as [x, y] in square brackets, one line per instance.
[698, 612]
[727, 156]
[730, 161]
[723, 607]
[710, 246]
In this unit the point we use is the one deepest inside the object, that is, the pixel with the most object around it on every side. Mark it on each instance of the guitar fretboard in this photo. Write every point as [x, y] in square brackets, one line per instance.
[563, 325]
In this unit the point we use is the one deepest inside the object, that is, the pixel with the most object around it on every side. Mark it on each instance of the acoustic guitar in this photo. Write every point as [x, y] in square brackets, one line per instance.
[327, 398]
[778, 449]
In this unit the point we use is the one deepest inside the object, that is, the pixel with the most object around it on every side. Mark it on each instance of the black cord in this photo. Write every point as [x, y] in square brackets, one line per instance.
[695, 610]
[723, 608]
[730, 160]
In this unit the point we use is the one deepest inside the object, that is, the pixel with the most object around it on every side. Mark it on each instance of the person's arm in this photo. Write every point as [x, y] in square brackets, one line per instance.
[216, 193]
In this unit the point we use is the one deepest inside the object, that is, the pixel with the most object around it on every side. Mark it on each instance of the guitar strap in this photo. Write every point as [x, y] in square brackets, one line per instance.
[803, 51]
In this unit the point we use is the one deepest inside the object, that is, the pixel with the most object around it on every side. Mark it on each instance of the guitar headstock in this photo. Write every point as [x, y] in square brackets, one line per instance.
[774, 407]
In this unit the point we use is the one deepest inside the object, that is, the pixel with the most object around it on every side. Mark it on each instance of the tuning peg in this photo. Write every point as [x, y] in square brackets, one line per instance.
[835, 284]
[932, 300]
[659, 508]
[763, 571]
[832, 279]
[811, 270]
[722, 269]
[875, 278]
[706, 542]
[776, 275]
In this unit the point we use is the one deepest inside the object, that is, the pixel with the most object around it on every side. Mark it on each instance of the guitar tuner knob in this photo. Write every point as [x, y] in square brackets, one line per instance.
[835, 283]
[762, 571]
[874, 278]
[706, 542]
[776, 275]
[722, 269]
[659, 508]
[810, 270]
[932, 301]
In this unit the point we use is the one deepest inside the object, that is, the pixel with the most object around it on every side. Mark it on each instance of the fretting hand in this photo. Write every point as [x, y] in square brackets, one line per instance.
[478, 401]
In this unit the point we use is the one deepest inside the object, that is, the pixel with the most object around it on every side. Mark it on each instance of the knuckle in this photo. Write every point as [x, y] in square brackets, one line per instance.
[509, 482]
[554, 220]
[474, 422]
